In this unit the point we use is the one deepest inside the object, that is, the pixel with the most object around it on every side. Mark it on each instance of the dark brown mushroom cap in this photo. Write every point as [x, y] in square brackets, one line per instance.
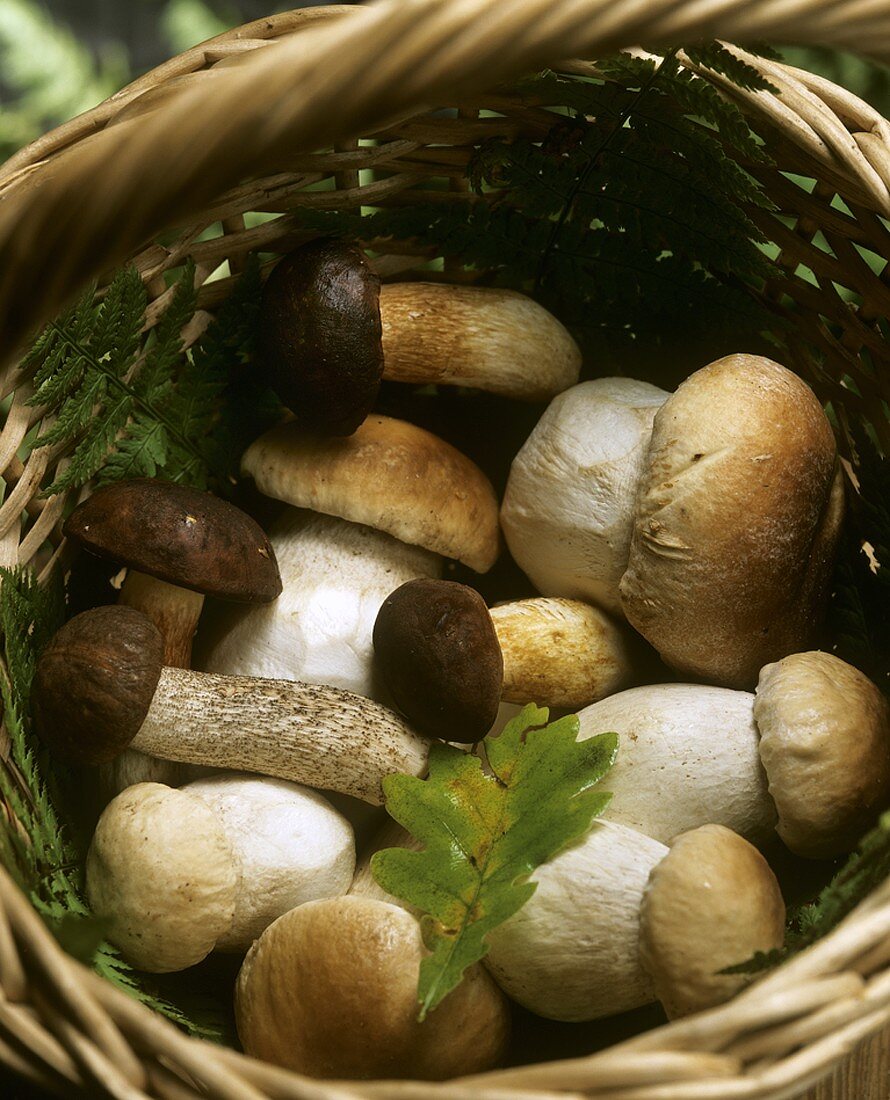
[95, 681]
[179, 535]
[436, 648]
[320, 336]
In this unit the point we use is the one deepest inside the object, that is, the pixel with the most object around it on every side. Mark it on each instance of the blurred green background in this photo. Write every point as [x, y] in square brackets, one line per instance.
[60, 57]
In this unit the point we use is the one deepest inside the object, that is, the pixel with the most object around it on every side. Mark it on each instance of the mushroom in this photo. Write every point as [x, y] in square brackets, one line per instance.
[335, 576]
[330, 990]
[143, 830]
[448, 662]
[390, 475]
[618, 919]
[811, 751]
[738, 514]
[328, 333]
[572, 951]
[688, 756]
[176, 874]
[711, 903]
[564, 653]
[101, 686]
[178, 545]
[568, 509]
[825, 744]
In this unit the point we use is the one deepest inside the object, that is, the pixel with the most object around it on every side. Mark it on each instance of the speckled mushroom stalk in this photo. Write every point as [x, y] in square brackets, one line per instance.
[449, 662]
[101, 687]
[329, 332]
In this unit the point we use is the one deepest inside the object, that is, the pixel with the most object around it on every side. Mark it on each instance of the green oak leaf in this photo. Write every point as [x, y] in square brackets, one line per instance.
[484, 832]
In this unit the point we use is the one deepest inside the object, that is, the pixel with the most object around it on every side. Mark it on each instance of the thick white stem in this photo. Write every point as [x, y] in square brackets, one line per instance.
[321, 736]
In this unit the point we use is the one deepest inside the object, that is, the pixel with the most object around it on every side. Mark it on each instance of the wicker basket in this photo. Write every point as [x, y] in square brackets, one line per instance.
[230, 127]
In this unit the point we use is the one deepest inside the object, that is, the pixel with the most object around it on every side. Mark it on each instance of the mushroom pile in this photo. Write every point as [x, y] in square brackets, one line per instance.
[692, 533]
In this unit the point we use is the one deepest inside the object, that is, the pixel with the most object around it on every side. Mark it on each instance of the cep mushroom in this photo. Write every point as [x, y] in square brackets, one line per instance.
[394, 500]
[101, 687]
[568, 509]
[390, 475]
[710, 904]
[176, 874]
[811, 751]
[619, 919]
[329, 332]
[330, 990]
[448, 661]
[738, 514]
[178, 545]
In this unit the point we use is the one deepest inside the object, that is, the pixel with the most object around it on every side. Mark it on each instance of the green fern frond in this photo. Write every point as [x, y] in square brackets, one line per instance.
[130, 406]
[715, 56]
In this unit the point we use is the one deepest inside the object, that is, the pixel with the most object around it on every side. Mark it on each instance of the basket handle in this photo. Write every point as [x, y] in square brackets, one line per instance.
[84, 210]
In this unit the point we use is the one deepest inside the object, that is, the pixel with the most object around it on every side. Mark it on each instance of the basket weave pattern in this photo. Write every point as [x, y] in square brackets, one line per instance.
[230, 128]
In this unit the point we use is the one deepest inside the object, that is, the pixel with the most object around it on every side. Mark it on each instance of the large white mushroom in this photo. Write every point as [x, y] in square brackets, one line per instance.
[388, 505]
[335, 576]
[738, 514]
[618, 919]
[568, 509]
[810, 752]
[176, 874]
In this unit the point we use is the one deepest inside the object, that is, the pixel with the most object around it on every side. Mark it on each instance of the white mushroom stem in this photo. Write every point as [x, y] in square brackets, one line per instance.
[335, 575]
[389, 835]
[572, 951]
[488, 339]
[559, 653]
[290, 844]
[688, 756]
[321, 736]
[175, 612]
[568, 508]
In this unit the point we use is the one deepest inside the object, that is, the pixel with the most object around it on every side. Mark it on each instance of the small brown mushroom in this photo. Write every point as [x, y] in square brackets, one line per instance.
[437, 650]
[180, 545]
[448, 662]
[390, 475]
[330, 990]
[329, 332]
[711, 903]
[101, 686]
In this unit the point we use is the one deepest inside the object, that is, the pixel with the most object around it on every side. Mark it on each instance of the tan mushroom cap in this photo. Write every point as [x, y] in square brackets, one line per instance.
[390, 475]
[559, 653]
[330, 990]
[711, 903]
[161, 872]
[825, 746]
